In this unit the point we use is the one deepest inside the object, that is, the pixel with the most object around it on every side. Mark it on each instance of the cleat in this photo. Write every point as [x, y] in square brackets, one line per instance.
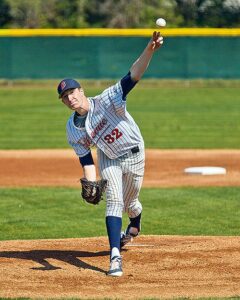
[115, 267]
[128, 235]
[125, 238]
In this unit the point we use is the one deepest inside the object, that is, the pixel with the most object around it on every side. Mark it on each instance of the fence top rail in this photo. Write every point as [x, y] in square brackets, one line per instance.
[144, 32]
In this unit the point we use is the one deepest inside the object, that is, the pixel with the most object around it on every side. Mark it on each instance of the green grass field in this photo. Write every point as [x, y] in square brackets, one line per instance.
[177, 117]
[38, 213]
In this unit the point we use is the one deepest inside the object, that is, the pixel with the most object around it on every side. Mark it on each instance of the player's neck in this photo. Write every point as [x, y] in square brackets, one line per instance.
[81, 112]
[85, 106]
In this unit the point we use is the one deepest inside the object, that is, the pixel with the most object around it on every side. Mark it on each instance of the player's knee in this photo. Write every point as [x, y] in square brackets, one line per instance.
[134, 209]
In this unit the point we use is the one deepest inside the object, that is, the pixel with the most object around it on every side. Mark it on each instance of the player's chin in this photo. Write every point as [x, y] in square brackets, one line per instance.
[74, 107]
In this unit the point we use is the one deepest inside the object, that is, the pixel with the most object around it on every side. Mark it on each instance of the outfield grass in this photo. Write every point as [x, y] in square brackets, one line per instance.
[38, 213]
[170, 117]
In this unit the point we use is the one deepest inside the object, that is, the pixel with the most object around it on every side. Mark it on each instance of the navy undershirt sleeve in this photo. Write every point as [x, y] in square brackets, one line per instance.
[86, 160]
[127, 84]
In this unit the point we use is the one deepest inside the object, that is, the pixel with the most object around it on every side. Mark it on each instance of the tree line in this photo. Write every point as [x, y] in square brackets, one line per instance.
[118, 13]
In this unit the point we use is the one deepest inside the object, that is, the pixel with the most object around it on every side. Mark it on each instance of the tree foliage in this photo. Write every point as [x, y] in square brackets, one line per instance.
[209, 13]
[118, 13]
[5, 16]
[130, 14]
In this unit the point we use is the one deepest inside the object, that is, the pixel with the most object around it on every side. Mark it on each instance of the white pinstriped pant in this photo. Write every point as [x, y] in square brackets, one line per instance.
[125, 176]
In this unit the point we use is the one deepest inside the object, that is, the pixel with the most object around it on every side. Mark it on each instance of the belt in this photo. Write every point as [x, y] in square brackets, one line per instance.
[135, 149]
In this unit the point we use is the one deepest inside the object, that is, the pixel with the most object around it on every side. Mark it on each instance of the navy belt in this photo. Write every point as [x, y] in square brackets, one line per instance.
[135, 149]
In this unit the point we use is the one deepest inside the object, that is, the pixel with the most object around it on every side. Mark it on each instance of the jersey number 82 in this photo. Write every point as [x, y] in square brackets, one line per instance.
[115, 134]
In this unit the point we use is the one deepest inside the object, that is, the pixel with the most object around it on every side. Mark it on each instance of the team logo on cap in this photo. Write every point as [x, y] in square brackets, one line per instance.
[63, 84]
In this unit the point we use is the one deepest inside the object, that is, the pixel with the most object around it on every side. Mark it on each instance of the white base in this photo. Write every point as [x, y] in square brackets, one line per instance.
[205, 170]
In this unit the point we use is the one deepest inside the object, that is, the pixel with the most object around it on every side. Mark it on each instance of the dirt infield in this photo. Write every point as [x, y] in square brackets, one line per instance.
[154, 266]
[164, 168]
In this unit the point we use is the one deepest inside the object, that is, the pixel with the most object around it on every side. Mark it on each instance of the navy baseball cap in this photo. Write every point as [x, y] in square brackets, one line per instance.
[67, 84]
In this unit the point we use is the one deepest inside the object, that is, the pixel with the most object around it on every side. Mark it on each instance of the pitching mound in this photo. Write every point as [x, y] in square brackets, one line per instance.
[154, 266]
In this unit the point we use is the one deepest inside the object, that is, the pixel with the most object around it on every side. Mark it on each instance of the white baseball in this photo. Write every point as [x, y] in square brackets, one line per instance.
[161, 22]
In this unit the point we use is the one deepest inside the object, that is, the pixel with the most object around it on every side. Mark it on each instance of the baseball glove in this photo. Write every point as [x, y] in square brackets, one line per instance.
[92, 191]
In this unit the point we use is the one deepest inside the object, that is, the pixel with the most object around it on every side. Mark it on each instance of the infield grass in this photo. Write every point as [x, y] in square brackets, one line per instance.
[169, 117]
[38, 213]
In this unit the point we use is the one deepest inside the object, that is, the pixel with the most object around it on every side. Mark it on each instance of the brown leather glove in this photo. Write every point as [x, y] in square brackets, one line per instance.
[92, 191]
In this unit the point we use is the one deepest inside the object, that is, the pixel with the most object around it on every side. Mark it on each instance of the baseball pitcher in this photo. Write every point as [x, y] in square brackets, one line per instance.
[104, 122]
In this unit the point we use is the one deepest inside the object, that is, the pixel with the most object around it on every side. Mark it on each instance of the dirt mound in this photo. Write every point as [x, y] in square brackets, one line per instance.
[154, 266]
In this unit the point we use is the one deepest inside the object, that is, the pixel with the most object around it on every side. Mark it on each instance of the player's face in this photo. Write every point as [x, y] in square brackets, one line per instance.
[73, 98]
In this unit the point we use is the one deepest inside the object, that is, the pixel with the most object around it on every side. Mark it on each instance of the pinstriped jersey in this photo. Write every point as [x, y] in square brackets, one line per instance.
[108, 126]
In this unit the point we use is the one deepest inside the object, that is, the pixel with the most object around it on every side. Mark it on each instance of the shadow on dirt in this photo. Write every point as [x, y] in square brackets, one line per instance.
[70, 257]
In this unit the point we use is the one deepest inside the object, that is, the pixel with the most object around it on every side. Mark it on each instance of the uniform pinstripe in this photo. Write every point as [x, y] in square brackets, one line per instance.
[111, 128]
[125, 175]
[108, 125]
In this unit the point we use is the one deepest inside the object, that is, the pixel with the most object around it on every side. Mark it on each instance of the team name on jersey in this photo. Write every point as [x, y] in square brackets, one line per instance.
[99, 127]
[86, 141]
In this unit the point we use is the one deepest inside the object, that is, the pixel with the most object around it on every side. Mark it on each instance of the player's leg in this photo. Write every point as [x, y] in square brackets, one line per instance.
[132, 206]
[111, 171]
[132, 182]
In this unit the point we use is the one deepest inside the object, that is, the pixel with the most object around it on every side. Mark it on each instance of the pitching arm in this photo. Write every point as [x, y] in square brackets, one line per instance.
[140, 65]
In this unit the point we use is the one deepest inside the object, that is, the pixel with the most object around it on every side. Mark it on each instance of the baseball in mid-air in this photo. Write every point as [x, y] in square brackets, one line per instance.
[161, 22]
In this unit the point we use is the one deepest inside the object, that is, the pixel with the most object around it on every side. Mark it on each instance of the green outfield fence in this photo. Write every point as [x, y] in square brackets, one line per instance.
[108, 53]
